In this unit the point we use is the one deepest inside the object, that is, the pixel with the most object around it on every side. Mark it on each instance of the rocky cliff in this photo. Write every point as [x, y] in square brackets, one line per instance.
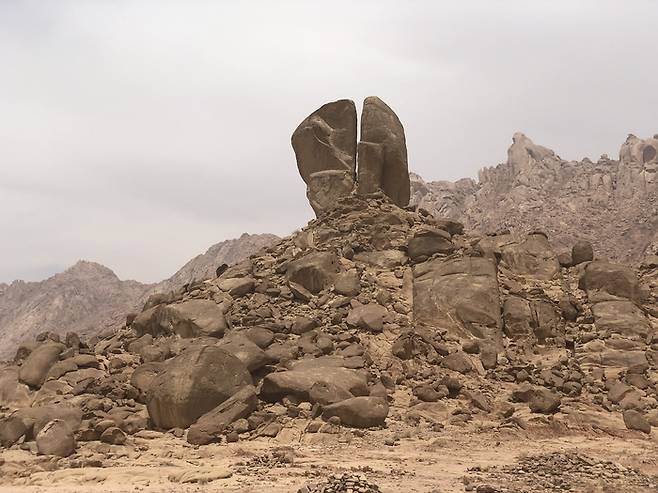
[90, 299]
[613, 203]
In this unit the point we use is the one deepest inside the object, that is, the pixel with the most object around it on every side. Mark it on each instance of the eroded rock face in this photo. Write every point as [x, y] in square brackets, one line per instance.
[194, 383]
[460, 295]
[383, 153]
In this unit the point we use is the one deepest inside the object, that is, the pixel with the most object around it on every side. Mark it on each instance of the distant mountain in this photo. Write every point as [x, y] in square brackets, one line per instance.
[89, 298]
[613, 203]
[227, 252]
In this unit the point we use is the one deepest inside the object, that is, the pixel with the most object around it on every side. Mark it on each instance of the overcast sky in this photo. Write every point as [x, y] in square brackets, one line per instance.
[138, 133]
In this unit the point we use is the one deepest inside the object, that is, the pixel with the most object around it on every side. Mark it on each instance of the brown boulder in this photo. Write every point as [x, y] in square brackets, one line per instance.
[192, 384]
[382, 153]
[427, 243]
[195, 318]
[325, 149]
[56, 438]
[314, 272]
[209, 426]
[460, 295]
[359, 412]
[35, 368]
[581, 252]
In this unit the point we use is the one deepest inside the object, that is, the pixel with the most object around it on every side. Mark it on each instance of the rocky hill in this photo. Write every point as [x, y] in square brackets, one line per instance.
[376, 327]
[90, 299]
[612, 203]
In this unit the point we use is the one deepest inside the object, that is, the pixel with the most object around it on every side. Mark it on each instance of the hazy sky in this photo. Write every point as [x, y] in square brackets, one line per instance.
[138, 133]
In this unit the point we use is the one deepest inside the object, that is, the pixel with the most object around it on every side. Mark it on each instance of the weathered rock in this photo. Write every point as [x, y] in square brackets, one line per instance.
[209, 426]
[298, 383]
[315, 271]
[359, 412]
[525, 318]
[253, 357]
[347, 284]
[325, 148]
[382, 153]
[143, 376]
[460, 295]
[35, 368]
[368, 317]
[620, 317]
[194, 383]
[237, 286]
[634, 420]
[56, 438]
[581, 252]
[428, 242]
[539, 399]
[195, 318]
[605, 281]
[533, 257]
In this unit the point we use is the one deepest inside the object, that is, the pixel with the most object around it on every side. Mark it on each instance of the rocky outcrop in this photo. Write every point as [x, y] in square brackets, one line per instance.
[325, 148]
[612, 204]
[326, 151]
[382, 158]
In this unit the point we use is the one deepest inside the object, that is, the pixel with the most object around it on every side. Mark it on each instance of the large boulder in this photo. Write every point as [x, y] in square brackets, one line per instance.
[533, 257]
[605, 281]
[325, 148]
[620, 317]
[253, 357]
[56, 438]
[527, 318]
[299, 382]
[192, 384]
[382, 153]
[209, 426]
[368, 317]
[195, 318]
[581, 252]
[35, 368]
[35, 418]
[460, 295]
[428, 242]
[359, 412]
[314, 271]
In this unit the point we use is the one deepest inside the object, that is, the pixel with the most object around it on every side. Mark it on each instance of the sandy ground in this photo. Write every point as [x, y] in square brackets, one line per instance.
[420, 461]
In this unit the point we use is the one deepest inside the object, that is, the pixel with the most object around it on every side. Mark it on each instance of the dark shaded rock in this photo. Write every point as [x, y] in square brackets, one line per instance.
[368, 317]
[359, 412]
[56, 438]
[581, 252]
[382, 153]
[325, 148]
[209, 426]
[194, 383]
[113, 436]
[428, 242]
[35, 368]
[314, 272]
[634, 420]
[298, 383]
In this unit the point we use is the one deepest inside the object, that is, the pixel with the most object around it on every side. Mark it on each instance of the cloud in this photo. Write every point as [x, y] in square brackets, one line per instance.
[138, 133]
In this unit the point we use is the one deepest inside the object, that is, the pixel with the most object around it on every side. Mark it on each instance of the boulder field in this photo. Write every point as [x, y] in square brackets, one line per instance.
[368, 316]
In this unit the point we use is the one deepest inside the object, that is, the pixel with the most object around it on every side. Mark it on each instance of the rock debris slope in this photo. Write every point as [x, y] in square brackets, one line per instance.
[89, 298]
[611, 203]
[372, 316]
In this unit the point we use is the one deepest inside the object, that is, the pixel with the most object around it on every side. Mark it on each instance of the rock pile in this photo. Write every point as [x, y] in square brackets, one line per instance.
[558, 472]
[342, 483]
[371, 314]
